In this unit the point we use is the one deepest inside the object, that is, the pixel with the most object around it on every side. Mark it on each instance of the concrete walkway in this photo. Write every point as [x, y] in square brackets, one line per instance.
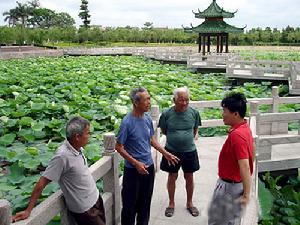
[205, 179]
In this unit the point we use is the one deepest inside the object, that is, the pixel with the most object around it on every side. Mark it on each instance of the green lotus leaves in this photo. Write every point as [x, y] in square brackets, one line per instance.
[7, 139]
[25, 121]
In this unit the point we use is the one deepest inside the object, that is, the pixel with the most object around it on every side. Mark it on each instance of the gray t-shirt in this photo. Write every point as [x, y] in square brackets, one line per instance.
[69, 168]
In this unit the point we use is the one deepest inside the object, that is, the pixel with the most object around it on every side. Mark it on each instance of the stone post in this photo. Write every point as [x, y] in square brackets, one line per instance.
[5, 212]
[275, 96]
[111, 179]
[277, 127]
[263, 151]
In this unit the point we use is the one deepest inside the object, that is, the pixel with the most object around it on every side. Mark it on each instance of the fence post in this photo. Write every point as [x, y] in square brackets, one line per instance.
[254, 113]
[263, 150]
[111, 179]
[277, 127]
[5, 212]
[275, 96]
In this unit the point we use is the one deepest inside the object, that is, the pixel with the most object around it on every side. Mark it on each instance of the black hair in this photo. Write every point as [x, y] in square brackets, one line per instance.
[235, 102]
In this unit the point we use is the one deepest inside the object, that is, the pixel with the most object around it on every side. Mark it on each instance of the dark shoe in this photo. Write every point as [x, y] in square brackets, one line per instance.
[169, 212]
[193, 211]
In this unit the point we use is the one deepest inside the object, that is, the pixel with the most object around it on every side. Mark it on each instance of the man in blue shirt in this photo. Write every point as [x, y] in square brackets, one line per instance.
[134, 142]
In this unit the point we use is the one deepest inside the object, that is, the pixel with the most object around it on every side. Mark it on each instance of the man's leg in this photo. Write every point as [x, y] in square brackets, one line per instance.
[130, 192]
[172, 171]
[145, 196]
[189, 185]
[171, 186]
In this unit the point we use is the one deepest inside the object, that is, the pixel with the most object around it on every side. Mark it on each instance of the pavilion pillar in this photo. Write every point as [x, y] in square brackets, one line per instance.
[222, 43]
[199, 42]
[203, 45]
[227, 39]
[218, 43]
[208, 43]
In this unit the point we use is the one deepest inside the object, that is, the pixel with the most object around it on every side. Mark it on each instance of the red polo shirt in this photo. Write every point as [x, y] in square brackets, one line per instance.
[238, 145]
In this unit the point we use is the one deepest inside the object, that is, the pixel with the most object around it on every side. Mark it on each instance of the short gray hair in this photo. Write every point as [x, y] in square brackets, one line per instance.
[180, 90]
[134, 94]
[75, 126]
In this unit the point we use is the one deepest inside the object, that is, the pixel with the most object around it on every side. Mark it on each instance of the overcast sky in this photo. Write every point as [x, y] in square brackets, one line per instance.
[174, 13]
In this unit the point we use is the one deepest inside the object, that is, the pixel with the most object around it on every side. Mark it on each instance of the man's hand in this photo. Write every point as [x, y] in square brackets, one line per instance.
[39, 187]
[244, 199]
[141, 168]
[172, 159]
[21, 216]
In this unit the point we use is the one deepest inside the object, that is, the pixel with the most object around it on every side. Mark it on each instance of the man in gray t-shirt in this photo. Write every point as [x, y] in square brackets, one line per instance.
[68, 167]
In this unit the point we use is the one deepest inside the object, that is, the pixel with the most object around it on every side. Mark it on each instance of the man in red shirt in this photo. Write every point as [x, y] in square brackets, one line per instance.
[235, 165]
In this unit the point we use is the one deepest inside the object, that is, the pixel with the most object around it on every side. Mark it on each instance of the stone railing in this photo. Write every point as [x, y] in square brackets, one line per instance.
[274, 102]
[275, 133]
[98, 51]
[215, 60]
[35, 53]
[106, 168]
[259, 69]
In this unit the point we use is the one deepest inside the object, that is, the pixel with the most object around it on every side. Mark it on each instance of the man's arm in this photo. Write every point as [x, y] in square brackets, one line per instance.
[246, 179]
[196, 135]
[141, 167]
[39, 187]
[170, 157]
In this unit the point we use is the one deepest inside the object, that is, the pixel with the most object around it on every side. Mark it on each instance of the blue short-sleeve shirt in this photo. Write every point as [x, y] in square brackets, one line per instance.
[135, 134]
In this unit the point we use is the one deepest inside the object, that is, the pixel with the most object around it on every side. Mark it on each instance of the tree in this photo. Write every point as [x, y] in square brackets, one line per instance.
[84, 14]
[34, 4]
[23, 11]
[148, 26]
[42, 17]
[63, 20]
[11, 16]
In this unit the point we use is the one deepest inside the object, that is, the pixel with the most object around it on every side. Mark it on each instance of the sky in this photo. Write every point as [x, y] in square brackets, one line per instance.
[174, 13]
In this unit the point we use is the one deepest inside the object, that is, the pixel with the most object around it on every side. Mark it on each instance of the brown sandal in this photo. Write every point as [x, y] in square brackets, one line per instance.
[169, 212]
[193, 211]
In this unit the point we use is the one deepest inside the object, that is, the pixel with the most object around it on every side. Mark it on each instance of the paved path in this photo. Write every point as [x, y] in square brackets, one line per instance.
[205, 179]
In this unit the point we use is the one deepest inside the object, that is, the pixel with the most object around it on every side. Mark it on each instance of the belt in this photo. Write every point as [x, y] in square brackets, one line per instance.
[230, 181]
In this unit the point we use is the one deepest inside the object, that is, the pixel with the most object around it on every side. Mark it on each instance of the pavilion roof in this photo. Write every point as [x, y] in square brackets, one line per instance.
[214, 26]
[214, 10]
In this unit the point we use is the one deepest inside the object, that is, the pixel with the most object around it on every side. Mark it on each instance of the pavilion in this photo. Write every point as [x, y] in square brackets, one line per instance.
[213, 26]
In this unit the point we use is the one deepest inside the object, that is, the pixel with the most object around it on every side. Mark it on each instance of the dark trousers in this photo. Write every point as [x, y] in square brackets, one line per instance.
[136, 196]
[93, 216]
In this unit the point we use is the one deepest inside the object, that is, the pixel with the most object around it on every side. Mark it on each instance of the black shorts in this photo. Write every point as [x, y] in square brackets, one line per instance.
[188, 161]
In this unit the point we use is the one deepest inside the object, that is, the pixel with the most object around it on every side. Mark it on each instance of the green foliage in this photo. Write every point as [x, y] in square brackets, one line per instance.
[279, 205]
[42, 19]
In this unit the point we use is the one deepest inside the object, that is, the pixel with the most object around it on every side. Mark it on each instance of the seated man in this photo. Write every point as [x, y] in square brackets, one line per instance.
[69, 168]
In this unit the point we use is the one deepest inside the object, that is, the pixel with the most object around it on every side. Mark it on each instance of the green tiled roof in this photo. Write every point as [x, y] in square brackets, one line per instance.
[214, 27]
[214, 10]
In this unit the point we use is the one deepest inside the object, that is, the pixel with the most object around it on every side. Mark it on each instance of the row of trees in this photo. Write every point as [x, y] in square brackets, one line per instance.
[30, 14]
[148, 34]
